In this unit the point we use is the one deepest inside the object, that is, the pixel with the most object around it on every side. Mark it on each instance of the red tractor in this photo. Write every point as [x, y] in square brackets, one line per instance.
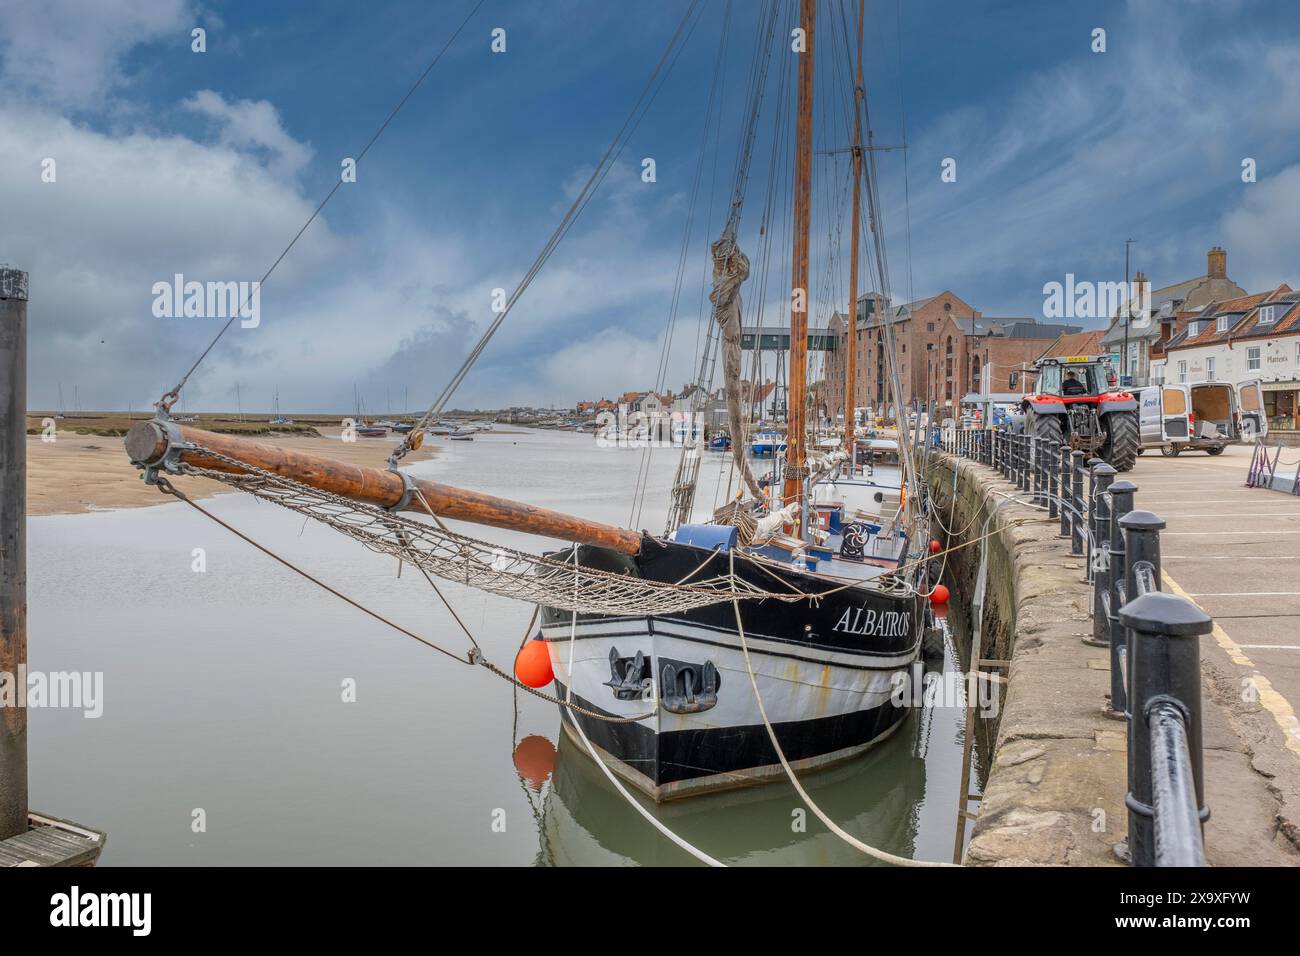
[1075, 401]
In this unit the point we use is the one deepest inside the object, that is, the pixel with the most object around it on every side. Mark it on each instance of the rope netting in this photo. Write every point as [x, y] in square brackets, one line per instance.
[444, 553]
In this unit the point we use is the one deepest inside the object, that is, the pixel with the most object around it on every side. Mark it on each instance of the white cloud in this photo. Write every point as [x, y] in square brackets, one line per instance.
[68, 53]
[252, 126]
[1260, 232]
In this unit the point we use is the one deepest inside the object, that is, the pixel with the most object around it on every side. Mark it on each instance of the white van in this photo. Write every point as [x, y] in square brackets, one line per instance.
[1204, 416]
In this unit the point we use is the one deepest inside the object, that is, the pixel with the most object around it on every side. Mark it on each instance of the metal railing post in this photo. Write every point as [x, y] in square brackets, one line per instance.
[1099, 531]
[1117, 593]
[1090, 541]
[1064, 479]
[1052, 476]
[1166, 797]
[1077, 503]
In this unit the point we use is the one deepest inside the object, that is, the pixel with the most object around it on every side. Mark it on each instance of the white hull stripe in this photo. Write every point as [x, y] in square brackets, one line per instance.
[715, 637]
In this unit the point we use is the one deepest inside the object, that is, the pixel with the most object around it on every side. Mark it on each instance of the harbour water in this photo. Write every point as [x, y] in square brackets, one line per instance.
[226, 738]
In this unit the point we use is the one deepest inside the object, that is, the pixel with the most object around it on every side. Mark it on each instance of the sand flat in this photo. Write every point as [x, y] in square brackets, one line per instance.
[79, 473]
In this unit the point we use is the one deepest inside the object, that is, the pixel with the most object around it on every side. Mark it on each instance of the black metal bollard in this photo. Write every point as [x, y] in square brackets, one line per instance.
[1076, 502]
[1099, 529]
[1166, 798]
[1121, 504]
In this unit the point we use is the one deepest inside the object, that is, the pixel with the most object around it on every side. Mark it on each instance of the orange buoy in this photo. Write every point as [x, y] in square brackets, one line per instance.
[533, 664]
[938, 596]
[940, 611]
[535, 760]
[935, 546]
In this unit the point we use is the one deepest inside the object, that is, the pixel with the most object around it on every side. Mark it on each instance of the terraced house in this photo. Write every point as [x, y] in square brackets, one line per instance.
[1246, 338]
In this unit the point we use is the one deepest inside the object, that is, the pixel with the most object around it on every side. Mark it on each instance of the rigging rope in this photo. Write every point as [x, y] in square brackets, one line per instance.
[475, 656]
[612, 152]
[170, 397]
[479, 564]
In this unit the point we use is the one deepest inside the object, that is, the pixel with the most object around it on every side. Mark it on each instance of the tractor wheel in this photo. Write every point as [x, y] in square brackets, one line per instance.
[1047, 428]
[1171, 450]
[1121, 448]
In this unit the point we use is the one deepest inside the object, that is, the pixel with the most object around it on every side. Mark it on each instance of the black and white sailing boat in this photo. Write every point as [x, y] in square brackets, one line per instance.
[824, 666]
[695, 660]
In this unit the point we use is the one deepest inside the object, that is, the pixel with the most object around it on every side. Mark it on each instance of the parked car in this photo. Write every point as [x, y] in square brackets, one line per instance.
[1201, 416]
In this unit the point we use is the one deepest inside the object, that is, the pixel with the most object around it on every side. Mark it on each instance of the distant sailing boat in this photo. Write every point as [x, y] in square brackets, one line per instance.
[277, 418]
[364, 428]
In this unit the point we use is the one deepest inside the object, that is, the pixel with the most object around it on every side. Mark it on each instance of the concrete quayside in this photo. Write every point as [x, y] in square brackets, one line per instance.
[1056, 790]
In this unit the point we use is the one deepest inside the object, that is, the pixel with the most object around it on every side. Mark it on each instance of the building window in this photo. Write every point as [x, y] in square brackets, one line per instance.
[1209, 369]
[1252, 359]
[950, 345]
[1182, 371]
[929, 326]
[1193, 329]
[1221, 325]
[1267, 314]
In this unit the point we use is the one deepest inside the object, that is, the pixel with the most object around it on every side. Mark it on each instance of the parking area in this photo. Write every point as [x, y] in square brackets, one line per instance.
[1235, 551]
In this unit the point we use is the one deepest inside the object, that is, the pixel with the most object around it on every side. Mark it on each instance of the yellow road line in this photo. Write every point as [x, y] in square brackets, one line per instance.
[1277, 705]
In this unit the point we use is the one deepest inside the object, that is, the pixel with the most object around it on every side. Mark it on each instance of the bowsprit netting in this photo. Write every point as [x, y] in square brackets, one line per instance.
[479, 564]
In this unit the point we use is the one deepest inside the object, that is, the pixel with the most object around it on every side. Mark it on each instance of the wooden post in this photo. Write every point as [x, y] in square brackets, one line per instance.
[147, 444]
[794, 456]
[13, 551]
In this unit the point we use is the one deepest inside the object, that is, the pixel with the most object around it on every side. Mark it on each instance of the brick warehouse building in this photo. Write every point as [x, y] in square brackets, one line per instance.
[945, 349]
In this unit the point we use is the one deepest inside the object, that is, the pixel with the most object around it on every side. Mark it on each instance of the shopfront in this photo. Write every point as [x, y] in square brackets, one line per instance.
[1280, 405]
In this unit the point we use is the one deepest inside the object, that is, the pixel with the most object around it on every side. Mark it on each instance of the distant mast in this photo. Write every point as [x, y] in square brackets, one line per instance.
[794, 466]
[850, 352]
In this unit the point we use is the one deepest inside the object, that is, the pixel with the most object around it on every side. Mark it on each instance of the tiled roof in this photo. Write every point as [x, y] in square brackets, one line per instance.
[1244, 322]
[1076, 343]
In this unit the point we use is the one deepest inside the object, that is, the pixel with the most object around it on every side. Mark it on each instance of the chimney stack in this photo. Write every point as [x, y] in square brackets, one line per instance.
[1217, 263]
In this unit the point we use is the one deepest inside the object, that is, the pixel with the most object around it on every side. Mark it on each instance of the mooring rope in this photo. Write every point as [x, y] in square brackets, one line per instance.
[609, 774]
[834, 827]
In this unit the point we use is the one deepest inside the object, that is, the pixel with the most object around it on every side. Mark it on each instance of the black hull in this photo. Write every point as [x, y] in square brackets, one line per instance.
[824, 669]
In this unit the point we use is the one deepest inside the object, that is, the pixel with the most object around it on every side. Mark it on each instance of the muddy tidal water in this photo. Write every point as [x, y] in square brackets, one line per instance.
[225, 737]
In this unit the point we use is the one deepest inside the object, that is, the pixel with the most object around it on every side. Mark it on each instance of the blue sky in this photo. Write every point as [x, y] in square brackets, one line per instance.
[206, 164]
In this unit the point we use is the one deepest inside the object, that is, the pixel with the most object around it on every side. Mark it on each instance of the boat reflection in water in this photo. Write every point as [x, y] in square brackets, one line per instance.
[584, 821]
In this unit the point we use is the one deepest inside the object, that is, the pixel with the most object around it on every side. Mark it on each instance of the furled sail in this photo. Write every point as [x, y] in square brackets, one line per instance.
[730, 269]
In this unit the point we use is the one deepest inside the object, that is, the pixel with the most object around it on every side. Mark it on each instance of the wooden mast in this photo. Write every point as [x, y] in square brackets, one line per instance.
[796, 402]
[851, 353]
[148, 444]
